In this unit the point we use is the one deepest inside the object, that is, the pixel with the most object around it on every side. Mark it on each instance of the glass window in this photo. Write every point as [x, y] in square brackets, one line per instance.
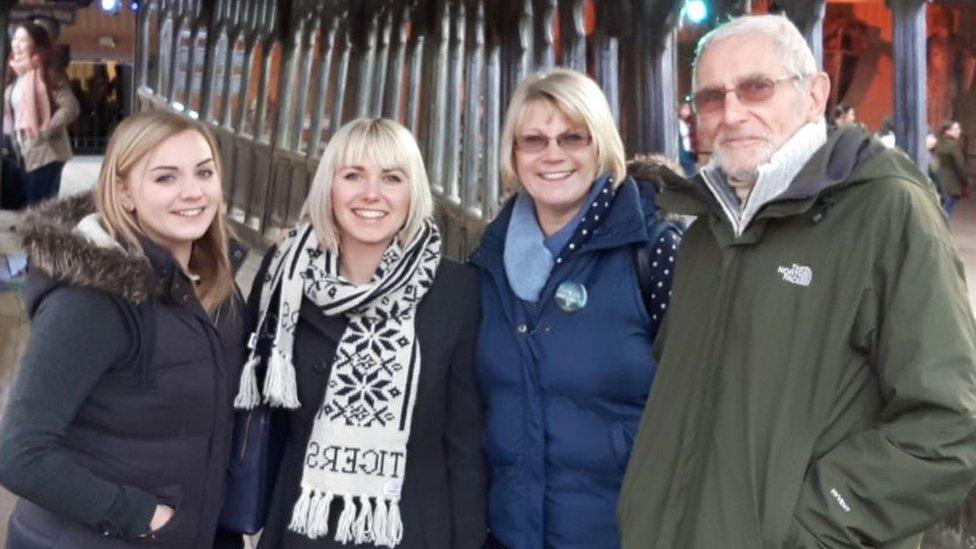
[236, 89]
[272, 93]
[219, 73]
[196, 74]
[253, 81]
[184, 41]
[165, 60]
[313, 87]
[151, 58]
[329, 114]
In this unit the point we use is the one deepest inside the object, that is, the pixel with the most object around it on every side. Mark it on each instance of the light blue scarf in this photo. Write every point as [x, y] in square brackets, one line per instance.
[529, 255]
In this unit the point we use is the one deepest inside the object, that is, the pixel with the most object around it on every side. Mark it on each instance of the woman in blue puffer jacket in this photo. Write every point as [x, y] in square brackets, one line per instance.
[564, 351]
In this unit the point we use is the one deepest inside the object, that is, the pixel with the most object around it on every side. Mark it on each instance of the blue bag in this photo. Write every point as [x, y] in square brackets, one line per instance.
[255, 458]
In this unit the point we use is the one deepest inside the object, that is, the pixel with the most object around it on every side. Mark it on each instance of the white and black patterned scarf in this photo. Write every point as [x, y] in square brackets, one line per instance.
[357, 449]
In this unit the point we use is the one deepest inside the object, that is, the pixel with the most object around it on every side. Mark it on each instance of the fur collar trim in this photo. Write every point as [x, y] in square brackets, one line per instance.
[54, 246]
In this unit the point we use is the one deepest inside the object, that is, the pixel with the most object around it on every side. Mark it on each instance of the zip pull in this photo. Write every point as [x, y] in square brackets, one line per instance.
[252, 341]
[825, 204]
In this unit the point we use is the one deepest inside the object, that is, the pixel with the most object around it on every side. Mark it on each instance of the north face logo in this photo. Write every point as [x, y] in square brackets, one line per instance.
[801, 275]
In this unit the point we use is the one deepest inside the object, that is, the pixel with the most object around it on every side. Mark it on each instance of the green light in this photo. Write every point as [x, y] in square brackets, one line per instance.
[696, 11]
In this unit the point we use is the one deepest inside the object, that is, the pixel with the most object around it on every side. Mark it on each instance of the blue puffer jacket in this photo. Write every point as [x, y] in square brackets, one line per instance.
[565, 392]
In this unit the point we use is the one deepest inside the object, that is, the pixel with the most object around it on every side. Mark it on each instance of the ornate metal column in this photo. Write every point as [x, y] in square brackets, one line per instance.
[572, 24]
[607, 58]
[910, 78]
[209, 18]
[292, 32]
[655, 30]
[546, 38]
[808, 15]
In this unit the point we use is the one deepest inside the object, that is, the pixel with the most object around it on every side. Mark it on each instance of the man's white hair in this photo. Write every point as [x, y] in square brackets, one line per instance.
[786, 38]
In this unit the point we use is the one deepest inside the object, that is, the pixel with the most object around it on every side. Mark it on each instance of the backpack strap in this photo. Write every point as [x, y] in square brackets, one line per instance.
[656, 226]
[642, 257]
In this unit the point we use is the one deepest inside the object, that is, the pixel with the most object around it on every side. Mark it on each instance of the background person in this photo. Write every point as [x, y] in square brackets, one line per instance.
[117, 431]
[367, 335]
[687, 139]
[39, 107]
[952, 165]
[886, 133]
[842, 114]
[933, 171]
[818, 365]
[564, 349]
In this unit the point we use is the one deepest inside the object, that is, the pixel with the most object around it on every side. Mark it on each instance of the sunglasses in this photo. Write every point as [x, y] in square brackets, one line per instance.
[568, 141]
[749, 90]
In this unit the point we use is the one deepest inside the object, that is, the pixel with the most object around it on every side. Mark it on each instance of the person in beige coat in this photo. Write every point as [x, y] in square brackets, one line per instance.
[38, 106]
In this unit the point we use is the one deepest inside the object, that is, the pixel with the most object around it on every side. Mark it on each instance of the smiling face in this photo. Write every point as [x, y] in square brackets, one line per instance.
[744, 135]
[557, 179]
[370, 205]
[22, 46]
[174, 193]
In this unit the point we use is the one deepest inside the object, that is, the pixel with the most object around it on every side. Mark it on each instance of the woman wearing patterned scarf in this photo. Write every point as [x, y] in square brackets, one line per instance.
[365, 335]
[38, 106]
[564, 351]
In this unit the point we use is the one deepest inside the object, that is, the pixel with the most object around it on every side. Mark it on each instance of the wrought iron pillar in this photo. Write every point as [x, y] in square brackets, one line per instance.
[659, 132]
[910, 78]
[660, 100]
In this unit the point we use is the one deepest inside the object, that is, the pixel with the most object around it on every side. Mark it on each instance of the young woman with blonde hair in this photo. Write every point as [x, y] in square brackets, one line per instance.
[118, 425]
[365, 338]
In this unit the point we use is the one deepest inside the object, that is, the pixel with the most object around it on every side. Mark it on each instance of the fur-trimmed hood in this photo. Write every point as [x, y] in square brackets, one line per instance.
[59, 254]
[64, 256]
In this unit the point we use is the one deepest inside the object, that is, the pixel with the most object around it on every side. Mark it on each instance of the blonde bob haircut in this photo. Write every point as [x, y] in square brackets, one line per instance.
[582, 102]
[133, 140]
[379, 140]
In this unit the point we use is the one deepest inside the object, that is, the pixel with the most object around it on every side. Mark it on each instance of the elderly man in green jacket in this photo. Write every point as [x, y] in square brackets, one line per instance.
[817, 368]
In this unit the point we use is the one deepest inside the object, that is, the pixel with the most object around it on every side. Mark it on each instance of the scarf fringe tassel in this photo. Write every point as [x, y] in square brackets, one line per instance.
[248, 395]
[310, 516]
[374, 521]
[280, 388]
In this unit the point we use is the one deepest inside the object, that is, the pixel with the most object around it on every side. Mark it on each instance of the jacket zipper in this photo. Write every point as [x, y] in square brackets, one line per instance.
[693, 447]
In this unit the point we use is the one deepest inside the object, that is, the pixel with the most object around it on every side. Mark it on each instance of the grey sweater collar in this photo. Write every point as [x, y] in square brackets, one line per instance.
[774, 178]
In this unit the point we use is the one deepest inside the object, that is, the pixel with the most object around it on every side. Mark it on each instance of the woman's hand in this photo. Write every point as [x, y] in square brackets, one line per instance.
[162, 516]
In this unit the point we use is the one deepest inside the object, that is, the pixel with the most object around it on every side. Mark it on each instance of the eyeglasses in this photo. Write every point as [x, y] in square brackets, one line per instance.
[568, 141]
[750, 90]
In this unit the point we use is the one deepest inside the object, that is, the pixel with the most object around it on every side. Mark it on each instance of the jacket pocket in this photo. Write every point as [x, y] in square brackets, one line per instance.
[171, 496]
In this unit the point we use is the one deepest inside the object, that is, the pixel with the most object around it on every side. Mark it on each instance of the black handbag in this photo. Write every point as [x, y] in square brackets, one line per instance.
[258, 442]
[11, 176]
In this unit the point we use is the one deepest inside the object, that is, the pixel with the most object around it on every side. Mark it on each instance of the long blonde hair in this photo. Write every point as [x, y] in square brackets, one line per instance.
[136, 137]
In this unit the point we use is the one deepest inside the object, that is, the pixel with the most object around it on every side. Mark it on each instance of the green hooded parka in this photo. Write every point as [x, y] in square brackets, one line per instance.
[817, 374]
